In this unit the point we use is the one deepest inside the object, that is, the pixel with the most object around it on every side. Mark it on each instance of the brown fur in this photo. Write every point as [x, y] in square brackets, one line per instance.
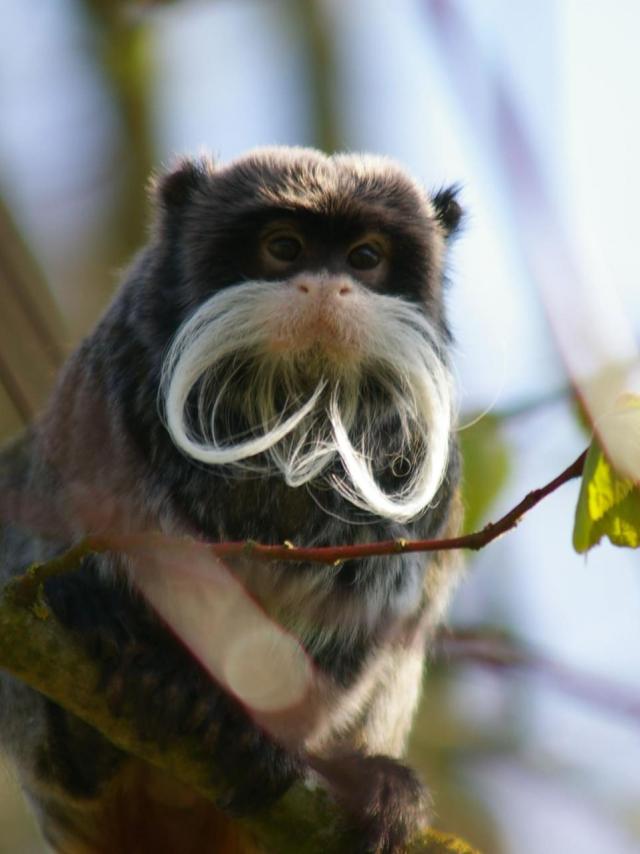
[147, 813]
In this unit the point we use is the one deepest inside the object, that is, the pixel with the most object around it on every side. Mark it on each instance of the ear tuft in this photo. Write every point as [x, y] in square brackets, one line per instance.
[176, 188]
[448, 210]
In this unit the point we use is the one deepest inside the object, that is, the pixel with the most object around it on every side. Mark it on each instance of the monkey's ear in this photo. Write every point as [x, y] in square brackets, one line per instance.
[448, 209]
[176, 188]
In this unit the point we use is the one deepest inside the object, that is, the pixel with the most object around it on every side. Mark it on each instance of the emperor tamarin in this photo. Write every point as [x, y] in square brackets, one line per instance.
[274, 367]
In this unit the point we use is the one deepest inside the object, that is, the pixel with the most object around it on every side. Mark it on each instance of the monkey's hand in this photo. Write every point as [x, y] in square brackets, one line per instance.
[386, 800]
[148, 675]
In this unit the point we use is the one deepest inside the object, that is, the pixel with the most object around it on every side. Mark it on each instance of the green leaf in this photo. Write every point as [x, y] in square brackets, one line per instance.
[486, 466]
[609, 503]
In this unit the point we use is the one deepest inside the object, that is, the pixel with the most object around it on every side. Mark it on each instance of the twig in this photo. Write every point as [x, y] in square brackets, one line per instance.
[488, 649]
[24, 588]
[474, 541]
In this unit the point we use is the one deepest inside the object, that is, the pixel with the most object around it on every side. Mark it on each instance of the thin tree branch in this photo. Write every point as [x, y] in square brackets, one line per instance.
[474, 541]
[24, 588]
[492, 650]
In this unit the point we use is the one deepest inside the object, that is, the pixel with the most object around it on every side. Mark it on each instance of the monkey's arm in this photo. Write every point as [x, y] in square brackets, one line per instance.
[140, 669]
[148, 676]
[85, 788]
[156, 694]
[303, 820]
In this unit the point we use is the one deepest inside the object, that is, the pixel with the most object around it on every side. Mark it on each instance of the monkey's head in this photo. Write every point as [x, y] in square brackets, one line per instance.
[312, 341]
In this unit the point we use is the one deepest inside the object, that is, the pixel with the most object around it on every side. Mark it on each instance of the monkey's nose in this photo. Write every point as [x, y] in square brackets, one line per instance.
[324, 287]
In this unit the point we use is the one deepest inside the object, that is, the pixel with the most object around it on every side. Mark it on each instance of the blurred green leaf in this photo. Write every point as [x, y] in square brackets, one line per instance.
[609, 503]
[581, 414]
[446, 739]
[486, 468]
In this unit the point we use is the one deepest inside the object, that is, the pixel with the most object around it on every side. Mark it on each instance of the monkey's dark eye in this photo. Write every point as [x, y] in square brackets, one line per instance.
[284, 248]
[364, 257]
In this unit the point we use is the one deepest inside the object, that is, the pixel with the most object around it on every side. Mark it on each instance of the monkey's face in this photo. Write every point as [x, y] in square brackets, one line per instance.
[316, 316]
[315, 345]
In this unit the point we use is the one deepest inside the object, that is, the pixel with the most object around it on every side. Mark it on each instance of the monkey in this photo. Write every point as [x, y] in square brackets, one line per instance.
[275, 367]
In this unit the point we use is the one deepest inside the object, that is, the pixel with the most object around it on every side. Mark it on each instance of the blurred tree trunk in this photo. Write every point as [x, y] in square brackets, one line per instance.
[32, 334]
[33, 337]
[124, 52]
[314, 29]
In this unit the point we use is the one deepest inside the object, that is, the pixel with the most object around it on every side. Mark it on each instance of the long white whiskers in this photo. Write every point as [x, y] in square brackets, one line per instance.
[333, 420]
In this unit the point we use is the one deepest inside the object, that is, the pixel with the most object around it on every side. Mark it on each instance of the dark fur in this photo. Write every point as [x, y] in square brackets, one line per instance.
[100, 457]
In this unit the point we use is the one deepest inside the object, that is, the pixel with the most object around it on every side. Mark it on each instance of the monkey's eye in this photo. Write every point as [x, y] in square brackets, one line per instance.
[364, 257]
[284, 247]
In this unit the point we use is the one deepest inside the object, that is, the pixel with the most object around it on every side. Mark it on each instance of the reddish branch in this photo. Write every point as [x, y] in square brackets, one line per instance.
[25, 587]
[474, 541]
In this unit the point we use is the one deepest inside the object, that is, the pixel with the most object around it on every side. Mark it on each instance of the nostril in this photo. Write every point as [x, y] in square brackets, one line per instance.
[323, 288]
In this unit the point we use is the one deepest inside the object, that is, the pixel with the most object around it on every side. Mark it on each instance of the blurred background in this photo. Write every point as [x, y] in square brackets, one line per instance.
[528, 732]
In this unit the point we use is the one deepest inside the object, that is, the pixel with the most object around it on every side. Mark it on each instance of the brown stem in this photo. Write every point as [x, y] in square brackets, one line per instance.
[24, 588]
[474, 541]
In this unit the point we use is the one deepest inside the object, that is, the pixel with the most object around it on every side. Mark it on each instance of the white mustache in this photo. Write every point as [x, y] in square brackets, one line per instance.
[396, 344]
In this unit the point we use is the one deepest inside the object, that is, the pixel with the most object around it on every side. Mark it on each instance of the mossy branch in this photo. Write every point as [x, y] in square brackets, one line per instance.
[35, 648]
